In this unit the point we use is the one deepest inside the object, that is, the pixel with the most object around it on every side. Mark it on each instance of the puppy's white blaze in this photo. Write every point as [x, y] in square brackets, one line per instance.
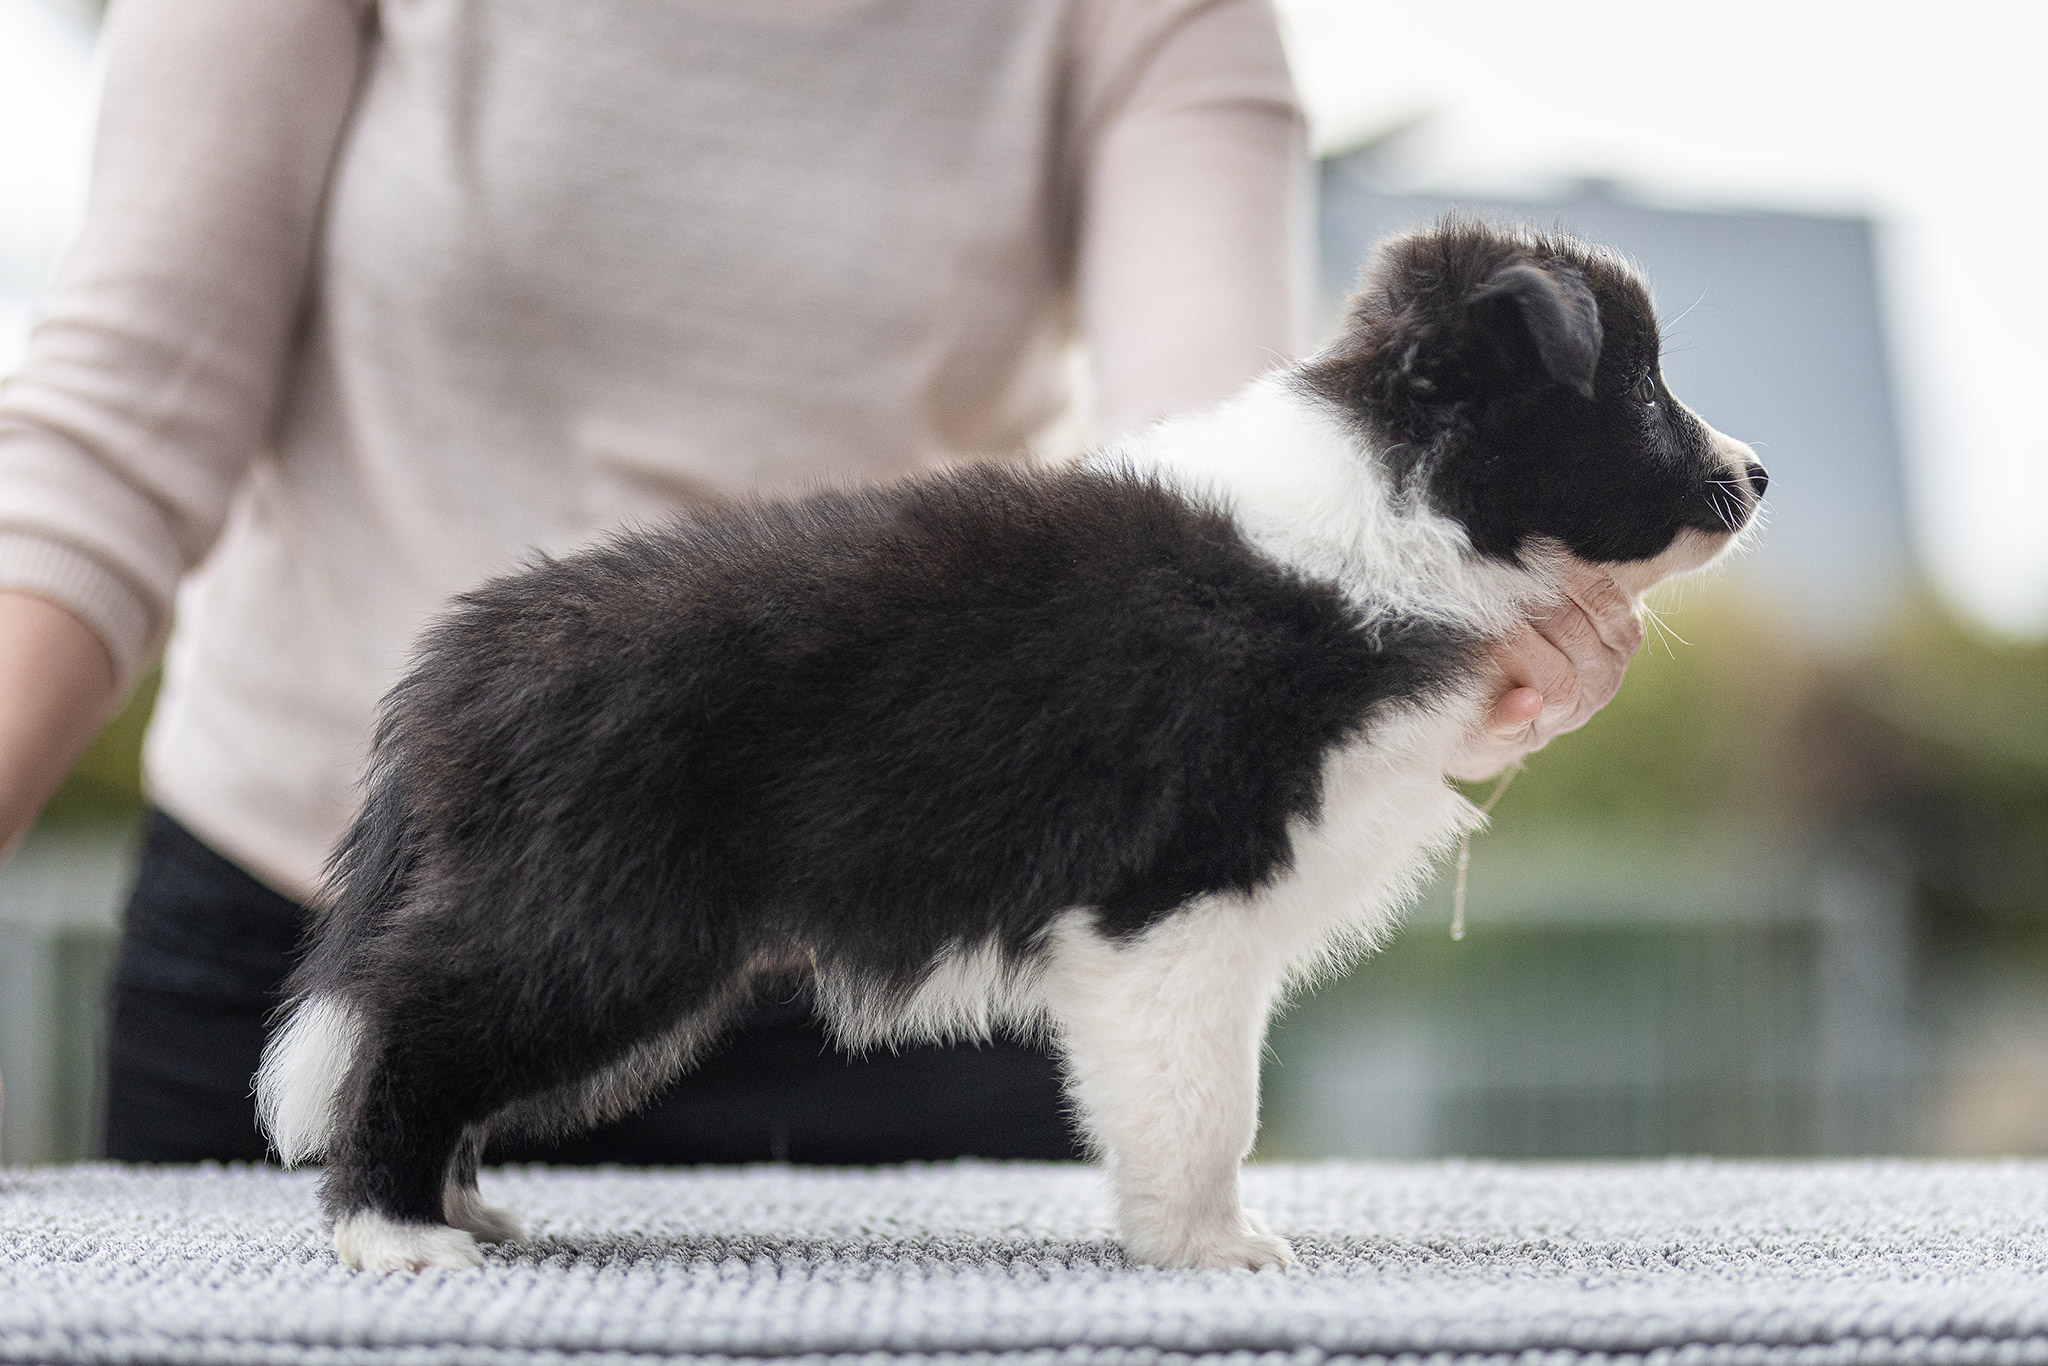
[303, 1065]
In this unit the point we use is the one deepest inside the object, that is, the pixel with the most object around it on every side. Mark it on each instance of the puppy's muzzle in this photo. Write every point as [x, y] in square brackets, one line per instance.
[1735, 495]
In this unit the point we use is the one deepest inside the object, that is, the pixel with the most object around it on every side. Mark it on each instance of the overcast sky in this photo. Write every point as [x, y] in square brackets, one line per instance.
[44, 122]
[1933, 118]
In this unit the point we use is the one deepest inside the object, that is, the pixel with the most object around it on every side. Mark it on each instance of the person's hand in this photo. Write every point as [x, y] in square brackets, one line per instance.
[1555, 671]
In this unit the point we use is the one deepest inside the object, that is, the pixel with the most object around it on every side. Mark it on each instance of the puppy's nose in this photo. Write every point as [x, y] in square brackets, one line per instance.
[1758, 479]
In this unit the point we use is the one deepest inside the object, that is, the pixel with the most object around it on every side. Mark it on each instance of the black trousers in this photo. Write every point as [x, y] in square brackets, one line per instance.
[206, 948]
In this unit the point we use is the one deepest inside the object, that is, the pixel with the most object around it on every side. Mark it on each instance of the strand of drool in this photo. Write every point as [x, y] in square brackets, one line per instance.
[1465, 851]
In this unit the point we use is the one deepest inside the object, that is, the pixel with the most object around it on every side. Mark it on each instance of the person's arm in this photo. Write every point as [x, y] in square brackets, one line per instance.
[152, 376]
[56, 687]
[1193, 232]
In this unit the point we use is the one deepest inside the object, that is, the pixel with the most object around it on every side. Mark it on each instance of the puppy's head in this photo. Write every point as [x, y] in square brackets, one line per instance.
[1510, 379]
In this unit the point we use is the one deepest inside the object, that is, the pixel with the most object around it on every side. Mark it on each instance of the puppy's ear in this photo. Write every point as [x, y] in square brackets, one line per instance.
[1525, 309]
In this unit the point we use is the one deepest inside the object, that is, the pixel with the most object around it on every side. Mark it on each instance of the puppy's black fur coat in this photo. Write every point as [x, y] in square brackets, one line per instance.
[877, 725]
[849, 738]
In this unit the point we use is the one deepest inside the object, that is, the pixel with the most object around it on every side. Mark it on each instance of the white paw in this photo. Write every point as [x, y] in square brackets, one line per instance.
[1243, 1244]
[370, 1242]
[491, 1223]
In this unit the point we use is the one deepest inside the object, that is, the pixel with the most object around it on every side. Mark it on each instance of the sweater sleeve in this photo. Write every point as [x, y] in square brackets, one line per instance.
[1194, 213]
[152, 373]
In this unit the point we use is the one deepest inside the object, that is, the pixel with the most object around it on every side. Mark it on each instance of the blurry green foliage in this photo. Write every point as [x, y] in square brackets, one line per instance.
[1976, 695]
[1928, 746]
[1967, 801]
[1698, 730]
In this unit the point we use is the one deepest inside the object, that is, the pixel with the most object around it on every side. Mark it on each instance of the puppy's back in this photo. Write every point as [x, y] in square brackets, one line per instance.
[990, 694]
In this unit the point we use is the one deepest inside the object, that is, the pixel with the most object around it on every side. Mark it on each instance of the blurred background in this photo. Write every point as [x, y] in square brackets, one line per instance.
[1789, 893]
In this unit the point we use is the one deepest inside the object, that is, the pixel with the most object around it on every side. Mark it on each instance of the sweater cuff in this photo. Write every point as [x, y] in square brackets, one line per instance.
[74, 580]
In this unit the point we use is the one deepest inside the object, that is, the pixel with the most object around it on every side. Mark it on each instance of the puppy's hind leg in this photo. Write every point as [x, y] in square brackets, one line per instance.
[1161, 1036]
[389, 1163]
[449, 1057]
[464, 1207]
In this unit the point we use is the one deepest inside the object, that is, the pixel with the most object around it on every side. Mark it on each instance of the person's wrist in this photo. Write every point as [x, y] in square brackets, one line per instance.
[57, 685]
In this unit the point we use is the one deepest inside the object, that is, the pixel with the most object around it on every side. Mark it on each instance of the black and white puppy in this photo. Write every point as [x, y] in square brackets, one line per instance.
[1115, 751]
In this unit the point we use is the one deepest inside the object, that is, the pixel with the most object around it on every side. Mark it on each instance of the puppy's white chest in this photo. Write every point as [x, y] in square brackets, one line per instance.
[1386, 814]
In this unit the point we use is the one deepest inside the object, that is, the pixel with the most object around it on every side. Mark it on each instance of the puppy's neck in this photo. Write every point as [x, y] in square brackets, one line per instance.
[1306, 490]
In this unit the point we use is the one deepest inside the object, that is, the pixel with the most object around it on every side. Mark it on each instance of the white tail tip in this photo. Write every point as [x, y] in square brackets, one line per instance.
[303, 1065]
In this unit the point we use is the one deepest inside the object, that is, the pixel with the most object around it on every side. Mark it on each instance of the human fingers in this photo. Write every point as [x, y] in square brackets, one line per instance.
[1596, 668]
[1526, 667]
[1613, 617]
[1514, 710]
[1529, 659]
[1598, 629]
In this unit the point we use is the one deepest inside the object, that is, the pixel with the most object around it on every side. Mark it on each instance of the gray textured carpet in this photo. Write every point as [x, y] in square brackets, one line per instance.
[1680, 1262]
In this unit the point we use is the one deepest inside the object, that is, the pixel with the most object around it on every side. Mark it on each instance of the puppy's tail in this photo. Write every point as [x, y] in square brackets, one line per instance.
[303, 1067]
[309, 1057]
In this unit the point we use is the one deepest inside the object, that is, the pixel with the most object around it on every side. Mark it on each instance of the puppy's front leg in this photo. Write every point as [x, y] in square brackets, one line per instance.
[1161, 1037]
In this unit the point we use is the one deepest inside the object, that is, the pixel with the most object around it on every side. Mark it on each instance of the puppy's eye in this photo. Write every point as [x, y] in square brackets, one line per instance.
[1646, 389]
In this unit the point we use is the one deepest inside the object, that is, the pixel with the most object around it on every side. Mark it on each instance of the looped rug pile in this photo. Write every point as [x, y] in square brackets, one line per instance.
[1545, 1265]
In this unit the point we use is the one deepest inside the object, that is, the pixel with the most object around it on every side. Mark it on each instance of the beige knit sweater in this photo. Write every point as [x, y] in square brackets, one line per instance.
[375, 297]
